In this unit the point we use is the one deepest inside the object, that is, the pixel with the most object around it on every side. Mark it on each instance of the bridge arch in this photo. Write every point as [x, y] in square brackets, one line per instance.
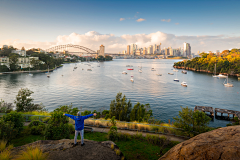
[62, 47]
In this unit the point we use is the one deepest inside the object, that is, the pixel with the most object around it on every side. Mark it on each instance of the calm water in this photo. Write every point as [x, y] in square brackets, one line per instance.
[95, 89]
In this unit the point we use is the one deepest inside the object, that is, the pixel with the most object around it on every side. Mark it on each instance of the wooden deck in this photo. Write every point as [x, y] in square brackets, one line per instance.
[218, 110]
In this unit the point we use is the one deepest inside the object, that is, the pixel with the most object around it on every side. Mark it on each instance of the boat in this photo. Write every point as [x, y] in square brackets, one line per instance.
[98, 65]
[159, 74]
[89, 69]
[48, 75]
[124, 72]
[238, 78]
[82, 69]
[222, 76]
[227, 84]
[129, 66]
[184, 84]
[215, 76]
[130, 69]
[176, 80]
[175, 70]
[140, 70]
[152, 69]
[184, 72]
[171, 73]
[29, 71]
[132, 79]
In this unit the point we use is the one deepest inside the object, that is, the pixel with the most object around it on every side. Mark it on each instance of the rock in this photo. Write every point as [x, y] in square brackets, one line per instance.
[222, 143]
[63, 149]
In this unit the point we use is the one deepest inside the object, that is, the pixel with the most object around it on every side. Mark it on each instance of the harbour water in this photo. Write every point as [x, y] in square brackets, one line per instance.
[94, 90]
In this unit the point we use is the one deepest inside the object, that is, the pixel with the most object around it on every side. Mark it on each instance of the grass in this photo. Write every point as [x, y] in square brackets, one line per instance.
[32, 153]
[26, 139]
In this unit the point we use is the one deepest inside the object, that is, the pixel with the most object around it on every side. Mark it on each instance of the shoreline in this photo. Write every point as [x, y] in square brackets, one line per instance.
[204, 71]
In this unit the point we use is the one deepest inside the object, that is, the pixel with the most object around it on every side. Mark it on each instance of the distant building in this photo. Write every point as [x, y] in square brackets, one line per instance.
[186, 50]
[102, 51]
[145, 51]
[133, 49]
[20, 52]
[166, 51]
[5, 46]
[217, 52]
[128, 50]
[124, 52]
[198, 52]
[170, 51]
[159, 49]
[150, 49]
[154, 49]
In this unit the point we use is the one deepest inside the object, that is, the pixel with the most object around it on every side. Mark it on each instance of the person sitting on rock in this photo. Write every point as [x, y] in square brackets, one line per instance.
[79, 125]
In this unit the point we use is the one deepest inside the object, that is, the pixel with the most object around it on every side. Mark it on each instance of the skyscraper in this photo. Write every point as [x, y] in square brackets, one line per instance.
[128, 50]
[150, 49]
[154, 49]
[102, 51]
[186, 49]
[133, 49]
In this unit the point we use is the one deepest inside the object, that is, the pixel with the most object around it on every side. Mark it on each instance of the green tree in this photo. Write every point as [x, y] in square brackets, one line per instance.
[13, 59]
[141, 112]
[191, 121]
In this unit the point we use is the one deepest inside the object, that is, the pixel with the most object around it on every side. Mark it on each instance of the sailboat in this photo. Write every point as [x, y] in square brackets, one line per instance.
[176, 80]
[29, 71]
[140, 70]
[132, 79]
[227, 84]
[48, 75]
[215, 76]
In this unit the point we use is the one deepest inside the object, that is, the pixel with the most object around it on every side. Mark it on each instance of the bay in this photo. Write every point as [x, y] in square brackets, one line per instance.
[94, 90]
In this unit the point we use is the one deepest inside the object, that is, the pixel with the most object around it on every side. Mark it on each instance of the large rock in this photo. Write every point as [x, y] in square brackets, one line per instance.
[222, 143]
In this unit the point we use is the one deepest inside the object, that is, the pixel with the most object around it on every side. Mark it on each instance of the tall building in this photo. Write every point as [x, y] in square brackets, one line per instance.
[170, 51]
[186, 49]
[154, 49]
[150, 49]
[159, 49]
[128, 50]
[166, 51]
[217, 52]
[198, 52]
[144, 51]
[102, 51]
[133, 49]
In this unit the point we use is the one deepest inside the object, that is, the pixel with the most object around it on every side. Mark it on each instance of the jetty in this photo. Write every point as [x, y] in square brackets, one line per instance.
[217, 111]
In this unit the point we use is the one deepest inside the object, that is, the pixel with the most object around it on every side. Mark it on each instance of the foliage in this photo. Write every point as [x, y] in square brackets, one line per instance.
[33, 153]
[24, 101]
[13, 59]
[112, 134]
[46, 119]
[36, 127]
[67, 109]
[17, 120]
[58, 127]
[3, 144]
[141, 113]
[71, 128]
[5, 152]
[5, 107]
[227, 62]
[191, 121]
[4, 68]
[7, 130]
[86, 112]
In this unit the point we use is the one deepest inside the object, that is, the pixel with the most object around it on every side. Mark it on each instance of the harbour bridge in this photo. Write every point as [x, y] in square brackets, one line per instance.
[67, 46]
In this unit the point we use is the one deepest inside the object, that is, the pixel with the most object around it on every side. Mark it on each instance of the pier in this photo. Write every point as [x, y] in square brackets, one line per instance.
[218, 110]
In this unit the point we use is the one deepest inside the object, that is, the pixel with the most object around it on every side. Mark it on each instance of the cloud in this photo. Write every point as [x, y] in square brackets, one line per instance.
[140, 20]
[114, 44]
[122, 19]
[166, 20]
[176, 23]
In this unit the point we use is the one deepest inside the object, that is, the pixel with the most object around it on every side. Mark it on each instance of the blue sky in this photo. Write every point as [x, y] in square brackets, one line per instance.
[45, 20]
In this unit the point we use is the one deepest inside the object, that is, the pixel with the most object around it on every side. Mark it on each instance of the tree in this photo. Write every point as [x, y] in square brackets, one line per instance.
[24, 101]
[13, 61]
[191, 121]
[23, 49]
[141, 112]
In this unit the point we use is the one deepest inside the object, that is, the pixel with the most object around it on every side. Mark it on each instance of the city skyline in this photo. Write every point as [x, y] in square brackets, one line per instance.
[42, 24]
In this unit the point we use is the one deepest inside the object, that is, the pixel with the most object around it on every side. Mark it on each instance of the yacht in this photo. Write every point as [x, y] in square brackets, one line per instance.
[129, 66]
[227, 84]
[159, 74]
[176, 80]
[184, 72]
[89, 69]
[130, 69]
[140, 70]
[48, 75]
[171, 73]
[215, 76]
[124, 72]
[132, 79]
[184, 84]
[175, 70]
[153, 69]
[221, 76]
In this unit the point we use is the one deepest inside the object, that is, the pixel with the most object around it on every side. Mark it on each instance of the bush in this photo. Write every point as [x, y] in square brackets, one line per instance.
[85, 113]
[58, 127]
[5, 107]
[7, 130]
[46, 119]
[36, 127]
[32, 153]
[34, 118]
[17, 120]
[112, 134]
[71, 128]
[106, 117]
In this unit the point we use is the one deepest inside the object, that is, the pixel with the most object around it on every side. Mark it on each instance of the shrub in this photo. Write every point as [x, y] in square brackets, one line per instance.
[85, 113]
[106, 117]
[34, 118]
[3, 144]
[112, 146]
[71, 128]
[46, 119]
[7, 130]
[58, 127]
[36, 127]
[112, 134]
[5, 151]
[33, 153]
[17, 120]
[118, 152]
[5, 155]
[5, 107]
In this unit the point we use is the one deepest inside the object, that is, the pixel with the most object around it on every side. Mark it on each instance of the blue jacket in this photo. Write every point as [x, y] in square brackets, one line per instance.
[79, 120]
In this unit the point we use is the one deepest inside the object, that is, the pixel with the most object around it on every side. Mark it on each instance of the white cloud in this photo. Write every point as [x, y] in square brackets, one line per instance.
[122, 19]
[114, 44]
[140, 20]
[166, 20]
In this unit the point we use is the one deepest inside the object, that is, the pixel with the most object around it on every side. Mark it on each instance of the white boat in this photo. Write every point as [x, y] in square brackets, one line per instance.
[152, 69]
[124, 72]
[184, 84]
[215, 76]
[89, 69]
[221, 76]
[29, 71]
[171, 73]
[176, 80]
[140, 70]
[48, 75]
[175, 70]
[159, 74]
[98, 65]
[227, 84]
[184, 72]
[129, 66]
[132, 80]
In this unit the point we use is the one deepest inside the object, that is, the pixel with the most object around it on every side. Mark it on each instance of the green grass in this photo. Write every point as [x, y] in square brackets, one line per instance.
[26, 139]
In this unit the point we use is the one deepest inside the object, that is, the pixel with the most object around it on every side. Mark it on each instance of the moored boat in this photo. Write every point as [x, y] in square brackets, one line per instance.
[184, 84]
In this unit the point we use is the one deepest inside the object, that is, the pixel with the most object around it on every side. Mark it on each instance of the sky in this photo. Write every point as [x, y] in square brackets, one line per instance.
[208, 25]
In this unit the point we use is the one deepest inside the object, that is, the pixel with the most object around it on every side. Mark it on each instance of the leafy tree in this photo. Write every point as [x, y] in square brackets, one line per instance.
[191, 121]
[3, 68]
[141, 113]
[13, 59]
[67, 109]
[5, 107]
